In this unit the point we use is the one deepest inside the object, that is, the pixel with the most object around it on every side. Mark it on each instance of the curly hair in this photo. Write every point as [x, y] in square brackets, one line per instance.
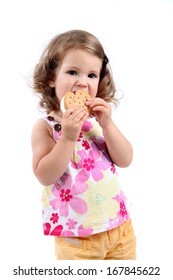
[51, 60]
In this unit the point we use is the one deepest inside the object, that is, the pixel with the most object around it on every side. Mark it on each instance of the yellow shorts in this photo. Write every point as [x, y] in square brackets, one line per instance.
[114, 244]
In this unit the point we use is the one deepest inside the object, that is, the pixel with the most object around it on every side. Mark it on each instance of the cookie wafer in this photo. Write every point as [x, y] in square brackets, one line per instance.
[77, 98]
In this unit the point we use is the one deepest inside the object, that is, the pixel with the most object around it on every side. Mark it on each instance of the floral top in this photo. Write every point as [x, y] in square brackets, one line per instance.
[87, 199]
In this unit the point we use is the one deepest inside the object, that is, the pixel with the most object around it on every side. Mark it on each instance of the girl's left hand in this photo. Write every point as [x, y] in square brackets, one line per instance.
[101, 110]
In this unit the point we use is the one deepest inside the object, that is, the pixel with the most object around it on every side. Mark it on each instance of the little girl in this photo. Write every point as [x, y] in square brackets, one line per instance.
[75, 154]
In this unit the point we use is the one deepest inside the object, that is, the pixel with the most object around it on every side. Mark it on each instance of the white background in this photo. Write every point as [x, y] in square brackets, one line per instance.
[137, 37]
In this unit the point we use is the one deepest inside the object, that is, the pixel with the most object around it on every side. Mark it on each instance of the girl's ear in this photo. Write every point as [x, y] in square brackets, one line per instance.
[52, 84]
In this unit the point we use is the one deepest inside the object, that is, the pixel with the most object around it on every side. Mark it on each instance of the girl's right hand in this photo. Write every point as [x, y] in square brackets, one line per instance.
[72, 122]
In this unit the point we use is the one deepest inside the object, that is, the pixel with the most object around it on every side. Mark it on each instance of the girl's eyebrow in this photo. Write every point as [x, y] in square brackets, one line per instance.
[71, 67]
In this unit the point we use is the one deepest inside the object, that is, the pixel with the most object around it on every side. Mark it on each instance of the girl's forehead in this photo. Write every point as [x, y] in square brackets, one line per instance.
[81, 58]
[76, 54]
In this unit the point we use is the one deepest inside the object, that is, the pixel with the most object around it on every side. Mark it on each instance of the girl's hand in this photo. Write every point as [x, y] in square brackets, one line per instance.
[101, 110]
[72, 122]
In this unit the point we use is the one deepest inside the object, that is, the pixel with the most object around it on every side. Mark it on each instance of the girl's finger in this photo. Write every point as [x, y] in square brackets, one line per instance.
[69, 112]
[99, 108]
[79, 115]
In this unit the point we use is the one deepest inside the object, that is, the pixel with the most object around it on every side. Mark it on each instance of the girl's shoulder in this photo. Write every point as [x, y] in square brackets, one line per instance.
[42, 127]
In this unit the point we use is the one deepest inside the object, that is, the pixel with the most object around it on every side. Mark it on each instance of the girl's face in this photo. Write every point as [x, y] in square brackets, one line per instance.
[79, 70]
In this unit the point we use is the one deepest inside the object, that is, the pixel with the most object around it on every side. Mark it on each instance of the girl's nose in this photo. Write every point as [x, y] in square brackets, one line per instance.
[81, 82]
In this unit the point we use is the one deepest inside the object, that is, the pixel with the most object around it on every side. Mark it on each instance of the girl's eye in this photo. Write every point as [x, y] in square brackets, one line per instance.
[92, 75]
[72, 72]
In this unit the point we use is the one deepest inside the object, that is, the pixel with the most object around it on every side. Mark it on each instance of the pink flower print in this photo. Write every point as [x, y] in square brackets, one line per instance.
[80, 136]
[86, 145]
[46, 228]
[71, 224]
[90, 164]
[113, 169]
[123, 211]
[56, 231]
[84, 231]
[121, 198]
[68, 233]
[54, 218]
[67, 196]
[87, 126]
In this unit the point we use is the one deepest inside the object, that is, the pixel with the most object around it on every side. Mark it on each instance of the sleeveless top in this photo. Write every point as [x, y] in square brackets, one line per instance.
[87, 199]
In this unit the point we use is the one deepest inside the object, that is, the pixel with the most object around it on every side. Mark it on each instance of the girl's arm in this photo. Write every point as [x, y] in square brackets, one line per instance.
[51, 159]
[119, 148]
